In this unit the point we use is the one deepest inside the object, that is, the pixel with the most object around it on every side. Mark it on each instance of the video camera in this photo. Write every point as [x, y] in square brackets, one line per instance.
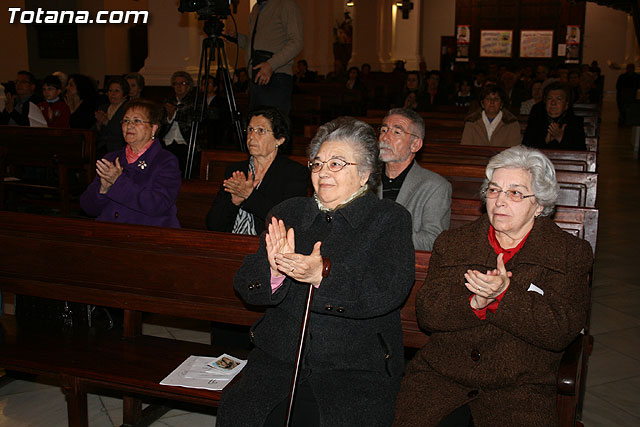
[206, 8]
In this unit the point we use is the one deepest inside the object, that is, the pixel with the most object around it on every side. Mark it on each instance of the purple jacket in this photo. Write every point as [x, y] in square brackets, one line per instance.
[145, 193]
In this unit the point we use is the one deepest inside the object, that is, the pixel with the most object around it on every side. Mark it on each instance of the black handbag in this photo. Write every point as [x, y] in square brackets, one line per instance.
[62, 316]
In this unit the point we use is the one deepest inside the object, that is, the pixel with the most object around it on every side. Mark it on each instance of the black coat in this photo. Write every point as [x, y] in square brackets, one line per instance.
[284, 179]
[573, 138]
[353, 358]
[84, 116]
[110, 137]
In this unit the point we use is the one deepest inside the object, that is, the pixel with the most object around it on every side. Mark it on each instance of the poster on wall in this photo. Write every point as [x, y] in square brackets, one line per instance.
[495, 43]
[572, 55]
[463, 38]
[536, 44]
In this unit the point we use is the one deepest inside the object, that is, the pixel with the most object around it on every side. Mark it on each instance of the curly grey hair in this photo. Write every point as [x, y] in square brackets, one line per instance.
[357, 134]
[543, 173]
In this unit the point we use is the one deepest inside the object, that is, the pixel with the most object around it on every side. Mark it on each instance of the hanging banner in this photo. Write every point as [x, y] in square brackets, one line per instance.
[463, 38]
[496, 43]
[572, 55]
[536, 44]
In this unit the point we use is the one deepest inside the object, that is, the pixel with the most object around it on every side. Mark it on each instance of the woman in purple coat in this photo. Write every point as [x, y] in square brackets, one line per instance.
[139, 183]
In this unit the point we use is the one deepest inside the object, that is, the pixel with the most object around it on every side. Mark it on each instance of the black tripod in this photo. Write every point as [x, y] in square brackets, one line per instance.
[212, 46]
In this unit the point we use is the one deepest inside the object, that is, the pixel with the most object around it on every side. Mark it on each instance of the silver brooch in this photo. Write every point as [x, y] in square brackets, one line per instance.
[142, 164]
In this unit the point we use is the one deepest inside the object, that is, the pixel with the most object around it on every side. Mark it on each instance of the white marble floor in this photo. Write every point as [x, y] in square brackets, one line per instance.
[31, 404]
[613, 382]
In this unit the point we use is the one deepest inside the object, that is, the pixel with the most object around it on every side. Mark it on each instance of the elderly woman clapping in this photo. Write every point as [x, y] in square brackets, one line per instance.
[504, 296]
[552, 123]
[357, 250]
[139, 183]
[254, 186]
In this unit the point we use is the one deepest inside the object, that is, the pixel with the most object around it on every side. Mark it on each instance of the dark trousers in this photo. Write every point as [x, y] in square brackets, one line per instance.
[305, 411]
[277, 93]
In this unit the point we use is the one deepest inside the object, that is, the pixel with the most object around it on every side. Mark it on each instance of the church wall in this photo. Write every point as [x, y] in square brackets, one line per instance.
[618, 47]
[438, 19]
[15, 51]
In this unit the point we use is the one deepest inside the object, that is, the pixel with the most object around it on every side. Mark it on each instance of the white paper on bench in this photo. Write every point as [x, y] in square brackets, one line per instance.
[192, 373]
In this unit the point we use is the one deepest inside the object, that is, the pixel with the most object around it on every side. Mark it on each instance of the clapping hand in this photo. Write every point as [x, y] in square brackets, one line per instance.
[283, 259]
[278, 240]
[101, 118]
[486, 287]
[108, 173]
[555, 132]
[239, 186]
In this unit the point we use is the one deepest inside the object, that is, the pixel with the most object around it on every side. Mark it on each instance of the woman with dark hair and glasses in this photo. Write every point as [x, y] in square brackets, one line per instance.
[139, 183]
[504, 296]
[80, 96]
[110, 136]
[252, 187]
[357, 251]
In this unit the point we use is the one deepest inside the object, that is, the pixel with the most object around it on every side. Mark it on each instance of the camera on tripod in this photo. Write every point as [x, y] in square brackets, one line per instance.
[207, 8]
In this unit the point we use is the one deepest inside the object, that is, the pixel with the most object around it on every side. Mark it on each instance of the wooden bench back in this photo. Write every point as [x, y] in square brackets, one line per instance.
[195, 198]
[47, 146]
[576, 188]
[183, 273]
[565, 160]
[175, 272]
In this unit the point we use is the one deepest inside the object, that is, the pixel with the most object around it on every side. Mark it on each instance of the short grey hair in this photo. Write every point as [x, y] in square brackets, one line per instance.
[416, 120]
[543, 174]
[358, 135]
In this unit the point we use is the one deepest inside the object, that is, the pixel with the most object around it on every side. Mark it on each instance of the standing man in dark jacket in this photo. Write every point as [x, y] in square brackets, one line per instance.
[626, 91]
[275, 39]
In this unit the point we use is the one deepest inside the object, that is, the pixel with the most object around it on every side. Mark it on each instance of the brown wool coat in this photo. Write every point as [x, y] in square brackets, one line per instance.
[507, 134]
[517, 349]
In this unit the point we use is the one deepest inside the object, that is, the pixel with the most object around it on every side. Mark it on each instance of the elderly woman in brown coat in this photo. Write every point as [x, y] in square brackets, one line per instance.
[504, 296]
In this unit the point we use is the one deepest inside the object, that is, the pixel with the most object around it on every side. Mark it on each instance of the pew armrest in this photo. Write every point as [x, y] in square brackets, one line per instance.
[571, 367]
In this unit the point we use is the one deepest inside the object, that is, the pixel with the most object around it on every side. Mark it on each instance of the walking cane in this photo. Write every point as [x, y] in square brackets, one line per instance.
[303, 332]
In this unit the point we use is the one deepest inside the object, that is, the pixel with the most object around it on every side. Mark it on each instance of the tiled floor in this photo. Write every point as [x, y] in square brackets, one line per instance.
[613, 382]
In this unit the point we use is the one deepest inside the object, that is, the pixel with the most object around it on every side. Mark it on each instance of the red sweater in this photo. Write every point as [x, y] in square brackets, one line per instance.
[56, 113]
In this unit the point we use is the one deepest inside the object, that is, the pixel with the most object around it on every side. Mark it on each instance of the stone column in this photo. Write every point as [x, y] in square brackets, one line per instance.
[319, 20]
[386, 27]
[175, 40]
[407, 38]
[366, 34]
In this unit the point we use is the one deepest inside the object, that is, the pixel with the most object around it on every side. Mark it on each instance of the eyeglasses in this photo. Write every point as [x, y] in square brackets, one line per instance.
[135, 122]
[495, 99]
[513, 195]
[259, 131]
[180, 84]
[397, 132]
[334, 165]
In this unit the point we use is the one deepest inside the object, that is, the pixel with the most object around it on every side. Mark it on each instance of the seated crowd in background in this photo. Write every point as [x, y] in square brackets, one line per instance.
[419, 90]
[142, 150]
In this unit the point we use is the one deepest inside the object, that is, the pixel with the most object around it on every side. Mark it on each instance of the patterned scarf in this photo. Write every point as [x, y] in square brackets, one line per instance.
[361, 191]
[245, 223]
